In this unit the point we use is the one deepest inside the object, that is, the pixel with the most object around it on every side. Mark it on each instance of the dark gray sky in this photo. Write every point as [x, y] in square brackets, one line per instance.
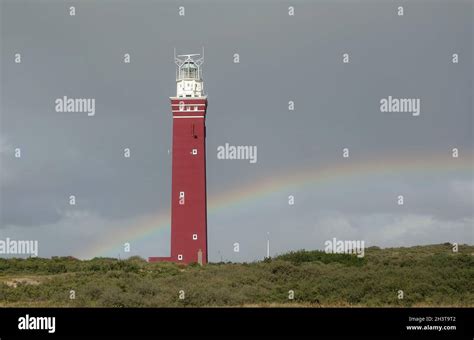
[282, 58]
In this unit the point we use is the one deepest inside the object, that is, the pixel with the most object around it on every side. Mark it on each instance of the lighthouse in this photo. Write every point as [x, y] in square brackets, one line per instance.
[188, 188]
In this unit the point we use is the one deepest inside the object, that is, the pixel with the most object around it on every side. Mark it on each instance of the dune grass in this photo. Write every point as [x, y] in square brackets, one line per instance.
[428, 276]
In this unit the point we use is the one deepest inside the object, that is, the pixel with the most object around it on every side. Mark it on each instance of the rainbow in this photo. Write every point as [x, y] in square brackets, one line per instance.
[285, 183]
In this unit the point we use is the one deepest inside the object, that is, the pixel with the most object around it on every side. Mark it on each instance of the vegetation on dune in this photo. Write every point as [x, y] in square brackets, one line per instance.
[427, 275]
[302, 256]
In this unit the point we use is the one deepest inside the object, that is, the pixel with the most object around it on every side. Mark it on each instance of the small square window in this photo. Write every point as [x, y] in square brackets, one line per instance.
[195, 152]
[195, 236]
[180, 257]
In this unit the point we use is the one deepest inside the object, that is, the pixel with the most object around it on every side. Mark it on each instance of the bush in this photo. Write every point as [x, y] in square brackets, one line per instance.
[429, 275]
[302, 256]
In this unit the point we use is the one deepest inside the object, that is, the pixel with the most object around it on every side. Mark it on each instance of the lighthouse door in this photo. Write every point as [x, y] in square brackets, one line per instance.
[200, 257]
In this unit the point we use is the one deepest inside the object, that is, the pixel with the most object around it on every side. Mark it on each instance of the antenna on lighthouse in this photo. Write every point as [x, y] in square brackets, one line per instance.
[187, 55]
[177, 60]
[200, 61]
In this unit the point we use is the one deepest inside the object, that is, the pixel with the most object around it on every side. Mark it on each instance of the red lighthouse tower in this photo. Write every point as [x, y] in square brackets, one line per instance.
[188, 192]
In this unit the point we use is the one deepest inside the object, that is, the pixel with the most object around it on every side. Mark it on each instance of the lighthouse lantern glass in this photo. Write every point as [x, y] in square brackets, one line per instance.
[189, 81]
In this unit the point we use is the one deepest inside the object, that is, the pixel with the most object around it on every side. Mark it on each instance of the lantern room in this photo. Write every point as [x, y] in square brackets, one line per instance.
[189, 83]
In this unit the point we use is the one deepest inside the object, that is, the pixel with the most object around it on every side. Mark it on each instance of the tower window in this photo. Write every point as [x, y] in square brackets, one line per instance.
[195, 237]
